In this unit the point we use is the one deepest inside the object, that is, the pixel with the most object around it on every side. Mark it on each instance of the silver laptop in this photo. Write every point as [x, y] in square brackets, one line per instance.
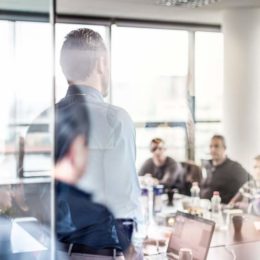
[191, 232]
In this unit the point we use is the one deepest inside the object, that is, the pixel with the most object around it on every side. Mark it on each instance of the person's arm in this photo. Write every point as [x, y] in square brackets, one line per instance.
[237, 198]
[172, 176]
[144, 169]
[121, 184]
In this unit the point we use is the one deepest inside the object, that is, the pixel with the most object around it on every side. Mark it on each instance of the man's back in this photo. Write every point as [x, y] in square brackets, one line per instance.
[111, 174]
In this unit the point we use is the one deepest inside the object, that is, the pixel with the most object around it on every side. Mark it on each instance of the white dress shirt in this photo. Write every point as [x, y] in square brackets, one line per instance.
[111, 174]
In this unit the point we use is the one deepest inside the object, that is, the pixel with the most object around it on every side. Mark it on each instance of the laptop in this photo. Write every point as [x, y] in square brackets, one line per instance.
[191, 232]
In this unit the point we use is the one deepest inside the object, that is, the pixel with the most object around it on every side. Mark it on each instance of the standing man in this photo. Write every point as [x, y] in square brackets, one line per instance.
[111, 175]
[223, 174]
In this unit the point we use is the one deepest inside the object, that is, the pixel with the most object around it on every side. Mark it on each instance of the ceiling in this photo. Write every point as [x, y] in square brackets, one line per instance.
[133, 9]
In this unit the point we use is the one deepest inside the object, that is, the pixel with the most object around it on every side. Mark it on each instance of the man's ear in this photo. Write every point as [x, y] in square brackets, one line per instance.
[102, 64]
[78, 154]
[72, 166]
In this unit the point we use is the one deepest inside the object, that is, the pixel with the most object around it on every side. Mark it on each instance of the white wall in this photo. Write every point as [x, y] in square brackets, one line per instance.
[241, 117]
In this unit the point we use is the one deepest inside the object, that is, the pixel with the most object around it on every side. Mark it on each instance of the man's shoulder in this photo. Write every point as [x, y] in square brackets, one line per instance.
[234, 165]
[121, 113]
[148, 162]
[117, 116]
[170, 160]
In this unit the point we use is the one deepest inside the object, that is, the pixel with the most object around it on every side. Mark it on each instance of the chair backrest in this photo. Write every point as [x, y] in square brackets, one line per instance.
[191, 173]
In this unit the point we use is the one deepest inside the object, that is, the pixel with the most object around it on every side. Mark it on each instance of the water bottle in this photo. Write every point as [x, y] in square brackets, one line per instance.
[195, 194]
[145, 204]
[216, 214]
[158, 203]
[148, 183]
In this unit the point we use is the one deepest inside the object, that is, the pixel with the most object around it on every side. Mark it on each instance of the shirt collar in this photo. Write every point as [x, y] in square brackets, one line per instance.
[219, 165]
[87, 91]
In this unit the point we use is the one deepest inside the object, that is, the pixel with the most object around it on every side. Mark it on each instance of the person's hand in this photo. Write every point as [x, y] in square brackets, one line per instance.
[148, 180]
[230, 205]
[154, 242]
[18, 196]
[242, 205]
[5, 200]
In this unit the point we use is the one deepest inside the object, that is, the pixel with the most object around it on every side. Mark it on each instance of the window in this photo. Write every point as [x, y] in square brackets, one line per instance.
[149, 73]
[27, 79]
[208, 89]
[208, 75]
[149, 80]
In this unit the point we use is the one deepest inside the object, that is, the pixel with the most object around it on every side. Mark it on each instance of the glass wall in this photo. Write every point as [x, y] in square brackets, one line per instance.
[25, 142]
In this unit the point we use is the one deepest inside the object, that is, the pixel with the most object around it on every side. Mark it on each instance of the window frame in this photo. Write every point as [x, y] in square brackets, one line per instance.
[108, 22]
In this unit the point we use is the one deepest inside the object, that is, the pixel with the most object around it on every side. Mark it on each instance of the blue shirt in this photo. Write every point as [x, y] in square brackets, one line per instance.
[111, 174]
[80, 221]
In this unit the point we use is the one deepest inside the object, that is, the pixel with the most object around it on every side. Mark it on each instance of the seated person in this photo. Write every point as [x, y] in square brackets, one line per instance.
[84, 229]
[160, 164]
[250, 191]
[223, 174]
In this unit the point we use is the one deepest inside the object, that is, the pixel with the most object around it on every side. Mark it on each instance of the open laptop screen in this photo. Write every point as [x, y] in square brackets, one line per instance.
[191, 232]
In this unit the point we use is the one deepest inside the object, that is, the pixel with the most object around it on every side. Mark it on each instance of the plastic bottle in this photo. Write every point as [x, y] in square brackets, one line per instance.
[195, 194]
[216, 214]
[158, 203]
[145, 204]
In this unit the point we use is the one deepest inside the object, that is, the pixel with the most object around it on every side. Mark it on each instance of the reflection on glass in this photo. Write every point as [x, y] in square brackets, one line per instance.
[26, 77]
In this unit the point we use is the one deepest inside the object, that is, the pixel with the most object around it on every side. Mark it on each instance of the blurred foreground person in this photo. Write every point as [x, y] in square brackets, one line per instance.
[85, 230]
[248, 197]
[223, 174]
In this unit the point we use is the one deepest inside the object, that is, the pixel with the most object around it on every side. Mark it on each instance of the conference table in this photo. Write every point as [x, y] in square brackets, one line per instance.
[225, 244]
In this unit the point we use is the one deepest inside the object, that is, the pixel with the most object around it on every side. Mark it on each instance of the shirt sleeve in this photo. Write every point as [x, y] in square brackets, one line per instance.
[122, 189]
[144, 169]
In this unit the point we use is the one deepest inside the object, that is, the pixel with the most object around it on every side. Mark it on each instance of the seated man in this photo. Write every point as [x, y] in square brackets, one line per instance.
[223, 174]
[250, 191]
[162, 167]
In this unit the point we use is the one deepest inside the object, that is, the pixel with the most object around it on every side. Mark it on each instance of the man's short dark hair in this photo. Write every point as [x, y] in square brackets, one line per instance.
[71, 121]
[157, 141]
[79, 53]
[221, 138]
